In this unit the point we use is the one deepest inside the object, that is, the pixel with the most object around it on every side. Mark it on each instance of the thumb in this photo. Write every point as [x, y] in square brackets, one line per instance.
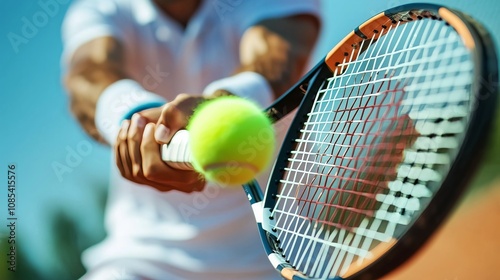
[171, 120]
[162, 134]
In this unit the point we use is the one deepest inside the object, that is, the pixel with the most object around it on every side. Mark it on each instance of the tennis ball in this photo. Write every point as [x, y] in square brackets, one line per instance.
[231, 140]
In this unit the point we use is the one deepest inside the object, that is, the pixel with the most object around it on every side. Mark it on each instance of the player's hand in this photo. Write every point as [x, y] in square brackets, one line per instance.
[175, 115]
[138, 153]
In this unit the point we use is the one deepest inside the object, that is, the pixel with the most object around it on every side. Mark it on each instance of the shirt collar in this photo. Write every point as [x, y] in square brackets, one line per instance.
[145, 11]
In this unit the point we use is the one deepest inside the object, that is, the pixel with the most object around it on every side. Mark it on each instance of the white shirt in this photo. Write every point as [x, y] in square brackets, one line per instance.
[206, 235]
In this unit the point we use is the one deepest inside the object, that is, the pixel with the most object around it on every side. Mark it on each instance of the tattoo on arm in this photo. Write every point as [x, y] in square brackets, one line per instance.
[93, 67]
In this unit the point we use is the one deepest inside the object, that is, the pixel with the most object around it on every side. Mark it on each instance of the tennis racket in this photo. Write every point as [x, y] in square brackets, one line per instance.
[389, 129]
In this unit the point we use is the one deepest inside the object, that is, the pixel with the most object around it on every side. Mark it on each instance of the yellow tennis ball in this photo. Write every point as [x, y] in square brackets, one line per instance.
[231, 140]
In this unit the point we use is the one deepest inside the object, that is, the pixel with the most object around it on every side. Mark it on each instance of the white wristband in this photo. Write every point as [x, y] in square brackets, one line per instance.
[119, 101]
[248, 85]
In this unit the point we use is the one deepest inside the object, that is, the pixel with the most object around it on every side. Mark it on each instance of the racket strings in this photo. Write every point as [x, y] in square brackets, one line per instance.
[377, 137]
[362, 181]
[363, 185]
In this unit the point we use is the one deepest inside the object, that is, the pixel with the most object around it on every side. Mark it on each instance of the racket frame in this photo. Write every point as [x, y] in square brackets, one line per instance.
[302, 95]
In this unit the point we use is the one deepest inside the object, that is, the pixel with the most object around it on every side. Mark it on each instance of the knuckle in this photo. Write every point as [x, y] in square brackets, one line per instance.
[146, 147]
[150, 173]
[182, 96]
[135, 136]
[166, 109]
[136, 170]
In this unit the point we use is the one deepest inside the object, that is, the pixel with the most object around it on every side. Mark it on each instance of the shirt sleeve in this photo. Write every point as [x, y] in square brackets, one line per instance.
[249, 13]
[87, 20]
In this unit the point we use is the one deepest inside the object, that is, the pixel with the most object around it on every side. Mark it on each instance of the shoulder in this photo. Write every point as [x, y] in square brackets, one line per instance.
[247, 8]
[86, 20]
[245, 13]
[108, 8]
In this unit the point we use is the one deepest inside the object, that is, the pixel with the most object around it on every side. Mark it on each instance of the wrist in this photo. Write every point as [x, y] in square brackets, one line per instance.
[249, 85]
[118, 102]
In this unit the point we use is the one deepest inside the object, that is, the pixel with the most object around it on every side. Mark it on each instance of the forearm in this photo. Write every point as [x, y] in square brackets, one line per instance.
[279, 49]
[93, 68]
[273, 56]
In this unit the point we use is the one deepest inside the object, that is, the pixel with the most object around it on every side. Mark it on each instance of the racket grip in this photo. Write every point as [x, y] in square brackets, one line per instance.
[176, 154]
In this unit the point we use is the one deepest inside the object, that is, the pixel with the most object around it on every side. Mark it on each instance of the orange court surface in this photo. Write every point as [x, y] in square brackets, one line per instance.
[467, 246]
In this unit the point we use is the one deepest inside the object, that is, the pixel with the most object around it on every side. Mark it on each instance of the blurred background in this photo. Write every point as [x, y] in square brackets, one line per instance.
[62, 174]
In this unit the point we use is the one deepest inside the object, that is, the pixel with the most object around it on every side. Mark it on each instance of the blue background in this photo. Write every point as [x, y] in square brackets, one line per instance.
[59, 214]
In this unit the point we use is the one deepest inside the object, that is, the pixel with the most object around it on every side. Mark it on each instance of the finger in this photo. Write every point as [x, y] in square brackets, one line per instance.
[134, 139]
[152, 114]
[150, 150]
[116, 147]
[154, 168]
[172, 119]
[162, 130]
[118, 159]
[122, 150]
[162, 134]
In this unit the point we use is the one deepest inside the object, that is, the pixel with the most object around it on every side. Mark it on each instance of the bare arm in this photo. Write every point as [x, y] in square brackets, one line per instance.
[278, 49]
[94, 66]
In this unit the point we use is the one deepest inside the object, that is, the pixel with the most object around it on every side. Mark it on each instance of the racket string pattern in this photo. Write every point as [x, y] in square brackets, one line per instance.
[387, 133]
[382, 131]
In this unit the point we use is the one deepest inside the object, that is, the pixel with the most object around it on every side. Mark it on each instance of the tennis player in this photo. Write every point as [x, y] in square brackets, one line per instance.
[134, 72]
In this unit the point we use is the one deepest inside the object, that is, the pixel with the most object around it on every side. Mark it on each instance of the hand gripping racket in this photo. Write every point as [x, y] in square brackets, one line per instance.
[388, 131]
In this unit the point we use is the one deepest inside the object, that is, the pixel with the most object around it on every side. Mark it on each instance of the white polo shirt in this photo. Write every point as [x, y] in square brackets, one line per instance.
[206, 235]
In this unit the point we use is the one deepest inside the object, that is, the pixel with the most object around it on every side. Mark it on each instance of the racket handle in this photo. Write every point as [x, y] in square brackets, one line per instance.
[176, 154]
